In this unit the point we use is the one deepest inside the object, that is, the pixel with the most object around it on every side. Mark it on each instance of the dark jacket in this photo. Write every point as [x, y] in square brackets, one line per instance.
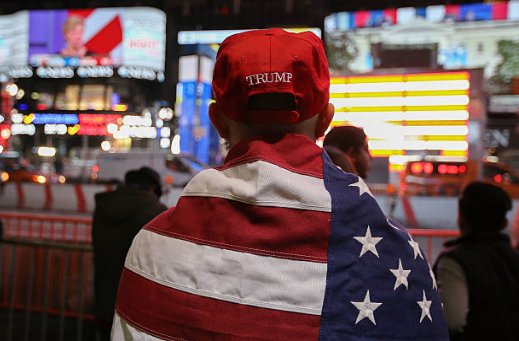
[491, 268]
[118, 216]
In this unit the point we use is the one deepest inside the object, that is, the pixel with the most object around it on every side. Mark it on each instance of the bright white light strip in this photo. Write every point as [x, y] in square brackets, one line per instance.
[377, 116]
[399, 101]
[436, 100]
[436, 130]
[384, 131]
[366, 122]
[403, 159]
[452, 115]
[447, 145]
[367, 87]
[367, 102]
[400, 86]
[418, 145]
[438, 85]
[369, 116]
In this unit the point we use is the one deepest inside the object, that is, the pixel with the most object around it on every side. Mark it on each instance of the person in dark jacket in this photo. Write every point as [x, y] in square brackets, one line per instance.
[478, 273]
[118, 216]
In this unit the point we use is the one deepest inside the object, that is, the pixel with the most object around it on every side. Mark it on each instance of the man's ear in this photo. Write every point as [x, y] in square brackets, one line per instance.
[216, 116]
[324, 120]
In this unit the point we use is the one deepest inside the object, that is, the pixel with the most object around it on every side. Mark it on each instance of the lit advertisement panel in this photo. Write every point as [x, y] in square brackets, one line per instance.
[194, 91]
[459, 36]
[14, 38]
[83, 123]
[104, 36]
[218, 36]
[86, 43]
[405, 115]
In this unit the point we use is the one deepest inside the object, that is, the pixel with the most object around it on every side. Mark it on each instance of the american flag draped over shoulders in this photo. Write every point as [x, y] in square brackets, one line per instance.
[278, 244]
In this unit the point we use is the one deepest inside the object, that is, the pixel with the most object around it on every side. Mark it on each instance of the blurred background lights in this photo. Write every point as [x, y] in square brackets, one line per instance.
[165, 132]
[111, 128]
[46, 151]
[20, 94]
[164, 143]
[106, 145]
[175, 144]
[12, 89]
[165, 114]
[5, 133]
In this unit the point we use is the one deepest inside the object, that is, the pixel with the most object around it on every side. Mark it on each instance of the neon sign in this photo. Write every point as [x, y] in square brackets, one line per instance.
[51, 118]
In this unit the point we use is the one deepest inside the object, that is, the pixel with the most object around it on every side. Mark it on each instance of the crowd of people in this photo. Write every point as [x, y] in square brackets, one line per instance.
[284, 241]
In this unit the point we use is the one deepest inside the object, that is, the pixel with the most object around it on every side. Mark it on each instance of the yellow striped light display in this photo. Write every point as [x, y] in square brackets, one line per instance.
[406, 114]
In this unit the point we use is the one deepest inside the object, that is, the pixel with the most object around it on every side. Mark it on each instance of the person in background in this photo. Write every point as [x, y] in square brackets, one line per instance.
[58, 165]
[73, 30]
[118, 216]
[278, 243]
[478, 273]
[348, 149]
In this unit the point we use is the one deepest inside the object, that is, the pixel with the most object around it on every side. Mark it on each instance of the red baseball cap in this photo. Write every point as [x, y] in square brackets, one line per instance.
[271, 61]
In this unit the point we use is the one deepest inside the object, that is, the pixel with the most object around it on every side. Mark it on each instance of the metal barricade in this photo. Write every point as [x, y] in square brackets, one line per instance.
[47, 227]
[45, 290]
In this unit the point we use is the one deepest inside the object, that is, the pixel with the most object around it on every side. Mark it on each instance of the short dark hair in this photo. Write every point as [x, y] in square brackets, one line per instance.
[484, 206]
[345, 137]
[143, 178]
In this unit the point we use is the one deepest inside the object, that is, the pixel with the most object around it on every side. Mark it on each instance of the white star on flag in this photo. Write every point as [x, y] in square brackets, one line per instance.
[368, 243]
[435, 285]
[401, 275]
[366, 309]
[363, 188]
[416, 247]
[425, 305]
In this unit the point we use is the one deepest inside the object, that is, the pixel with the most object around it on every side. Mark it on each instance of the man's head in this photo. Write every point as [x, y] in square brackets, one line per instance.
[271, 81]
[483, 206]
[144, 178]
[353, 142]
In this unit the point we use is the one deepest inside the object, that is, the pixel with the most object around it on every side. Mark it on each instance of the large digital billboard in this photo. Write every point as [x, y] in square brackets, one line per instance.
[406, 113]
[441, 36]
[84, 43]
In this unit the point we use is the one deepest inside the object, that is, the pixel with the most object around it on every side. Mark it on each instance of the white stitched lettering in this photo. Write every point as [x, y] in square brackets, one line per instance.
[280, 77]
[269, 77]
[249, 78]
[260, 78]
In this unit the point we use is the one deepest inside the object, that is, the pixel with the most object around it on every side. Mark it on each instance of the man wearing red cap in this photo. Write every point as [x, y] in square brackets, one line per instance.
[278, 243]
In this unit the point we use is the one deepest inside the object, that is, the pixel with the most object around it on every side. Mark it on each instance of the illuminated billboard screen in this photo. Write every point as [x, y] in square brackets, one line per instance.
[449, 36]
[131, 39]
[407, 114]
